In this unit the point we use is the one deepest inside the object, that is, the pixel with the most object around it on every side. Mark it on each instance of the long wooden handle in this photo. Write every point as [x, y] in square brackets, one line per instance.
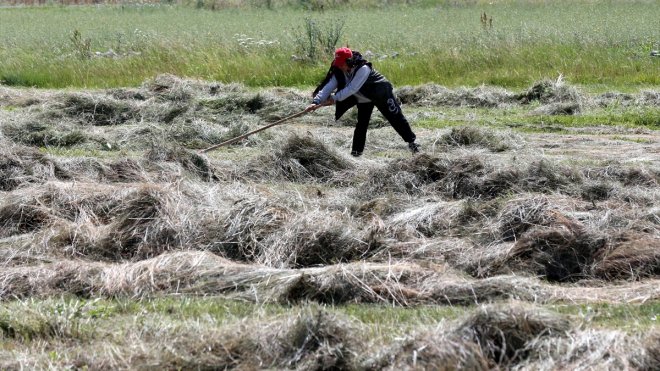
[254, 131]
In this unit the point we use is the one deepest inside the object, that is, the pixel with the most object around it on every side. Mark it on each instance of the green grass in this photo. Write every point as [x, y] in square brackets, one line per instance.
[48, 318]
[518, 118]
[599, 43]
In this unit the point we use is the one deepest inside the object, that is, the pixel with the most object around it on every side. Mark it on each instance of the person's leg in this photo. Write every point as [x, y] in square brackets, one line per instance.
[360, 133]
[343, 106]
[392, 112]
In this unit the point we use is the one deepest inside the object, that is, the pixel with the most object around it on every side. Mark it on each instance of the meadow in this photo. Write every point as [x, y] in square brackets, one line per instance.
[524, 236]
[592, 43]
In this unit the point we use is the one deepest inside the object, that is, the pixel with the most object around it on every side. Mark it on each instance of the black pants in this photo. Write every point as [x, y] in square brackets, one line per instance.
[387, 106]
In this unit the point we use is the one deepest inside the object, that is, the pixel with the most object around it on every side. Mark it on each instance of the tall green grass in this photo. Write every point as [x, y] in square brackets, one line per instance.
[596, 42]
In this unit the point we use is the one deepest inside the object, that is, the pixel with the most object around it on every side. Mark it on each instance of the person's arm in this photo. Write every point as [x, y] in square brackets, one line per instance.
[324, 93]
[356, 83]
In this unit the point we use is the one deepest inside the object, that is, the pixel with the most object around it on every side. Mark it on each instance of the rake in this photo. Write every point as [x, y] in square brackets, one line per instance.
[230, 141]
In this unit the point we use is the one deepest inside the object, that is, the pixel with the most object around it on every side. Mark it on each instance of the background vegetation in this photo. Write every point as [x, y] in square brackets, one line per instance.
[446, 42]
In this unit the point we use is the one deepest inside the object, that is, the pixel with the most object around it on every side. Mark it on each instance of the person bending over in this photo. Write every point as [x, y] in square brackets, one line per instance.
[356, 83]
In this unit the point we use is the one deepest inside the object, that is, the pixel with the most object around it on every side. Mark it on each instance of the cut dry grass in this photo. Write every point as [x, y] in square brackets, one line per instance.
[300, 159]
[284, 219]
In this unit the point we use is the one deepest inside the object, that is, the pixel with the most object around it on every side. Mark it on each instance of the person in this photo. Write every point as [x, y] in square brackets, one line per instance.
[356, 83]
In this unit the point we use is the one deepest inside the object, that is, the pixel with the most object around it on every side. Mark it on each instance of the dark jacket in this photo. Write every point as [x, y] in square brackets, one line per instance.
[377, 88]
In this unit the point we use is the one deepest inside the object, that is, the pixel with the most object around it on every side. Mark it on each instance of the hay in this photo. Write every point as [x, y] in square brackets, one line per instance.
[586, 350]
[429, 219]
[419, 94]
[307, 339]
[548, 91]
[97, 110]
[562, 251]
[17, 217]
[626, 175]
[195, 163]
[561, 108]
[70, 277]
[474, 136]
[170, 88]
[546, 176]
[318, 239]
[317, 340]
[249, 224]
[142, 226]
[21, 166]
[41, 134]
[271, 234]
[456, 178]
[123, 171]
[483, 291]
[431, 351]
[520, 214]
[300, 159]
[500, 182]
[629, 256]
[652, 345]
[435, 95]
[504, 331]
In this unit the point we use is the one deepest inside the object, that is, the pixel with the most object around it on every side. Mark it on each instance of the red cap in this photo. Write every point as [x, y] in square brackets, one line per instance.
[341, 55]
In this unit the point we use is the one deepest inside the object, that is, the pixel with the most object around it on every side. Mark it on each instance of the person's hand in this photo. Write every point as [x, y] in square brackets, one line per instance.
[312, 107]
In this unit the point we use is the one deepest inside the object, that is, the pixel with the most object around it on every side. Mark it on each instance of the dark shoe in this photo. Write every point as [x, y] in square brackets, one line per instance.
[414, 147]
[356, 153]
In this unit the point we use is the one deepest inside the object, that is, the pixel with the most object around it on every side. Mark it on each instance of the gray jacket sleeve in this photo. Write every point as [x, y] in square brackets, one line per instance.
[324, 93]
[359, 78]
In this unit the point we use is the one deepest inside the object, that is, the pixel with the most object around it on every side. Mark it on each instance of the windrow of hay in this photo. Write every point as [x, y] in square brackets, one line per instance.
[435, 95]
[21, 166]
[493, 336]
[107, 223]
[502, 332]
[562, 250]
[203, 273]
[430, 351]
[629, 256]
[512, 336]
[468, 176]
[191, 113]
[544, 91]
[34, 132]
[476, 136]
[309, 338]
[551, 91]
[192, 161]
[299, 159]
[97, 110]
[264, 232]
[592, 349]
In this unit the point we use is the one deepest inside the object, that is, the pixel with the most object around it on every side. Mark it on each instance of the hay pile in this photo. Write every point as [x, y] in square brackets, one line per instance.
[98, 222]
[309, 338]
[299, 159]
[21, 166]
[562, 250]
[494, 336]
[203, 273]
[629, 256]
[550, 91]
[476, 136]
[588, 349]
[435, 95]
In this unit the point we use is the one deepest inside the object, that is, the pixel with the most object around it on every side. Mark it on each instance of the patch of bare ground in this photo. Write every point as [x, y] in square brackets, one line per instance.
[94, 204]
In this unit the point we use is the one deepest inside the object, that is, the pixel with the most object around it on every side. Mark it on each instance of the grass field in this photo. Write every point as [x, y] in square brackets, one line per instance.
[524, 236]
[591, 43]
